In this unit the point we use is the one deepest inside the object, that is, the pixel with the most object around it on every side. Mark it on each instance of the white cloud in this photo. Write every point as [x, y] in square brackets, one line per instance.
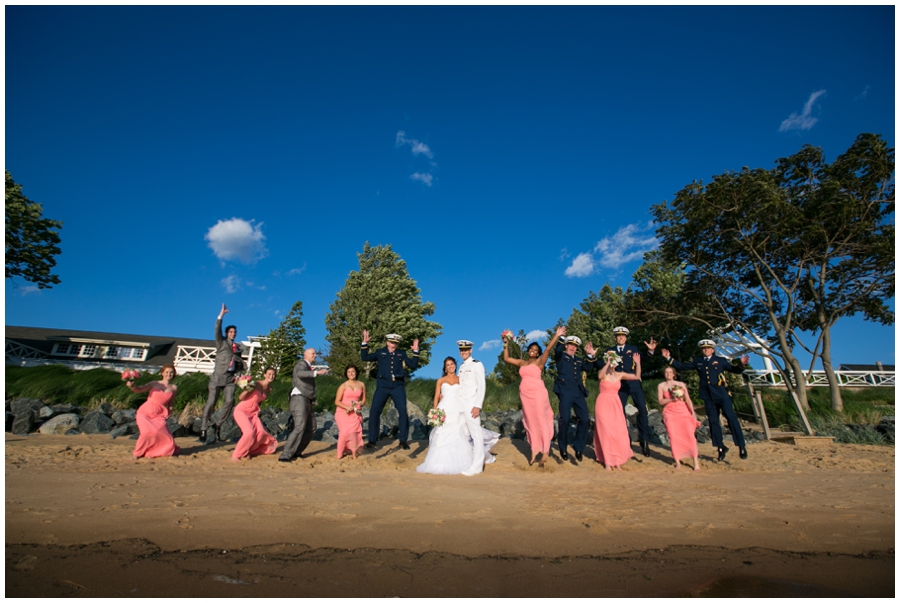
[490, 345]
[535, 335]
[804, 121]
[425, 178]
[237, 239]
[863, 94]
[630, 243]
[582, 265]
[418, 148]
[564, 253]
[296, 271]
[29, 289]
[231, 283]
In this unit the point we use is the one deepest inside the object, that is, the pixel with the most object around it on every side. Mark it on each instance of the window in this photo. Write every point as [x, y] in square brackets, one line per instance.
[112, 352]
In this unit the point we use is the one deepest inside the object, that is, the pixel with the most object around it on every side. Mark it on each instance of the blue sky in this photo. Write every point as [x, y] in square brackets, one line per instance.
[200, 155]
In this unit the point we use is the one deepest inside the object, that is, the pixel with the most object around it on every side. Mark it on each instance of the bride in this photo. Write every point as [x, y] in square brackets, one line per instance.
[450, 449]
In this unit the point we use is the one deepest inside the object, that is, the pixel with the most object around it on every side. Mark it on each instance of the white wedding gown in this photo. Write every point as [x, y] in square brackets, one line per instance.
[450, 450]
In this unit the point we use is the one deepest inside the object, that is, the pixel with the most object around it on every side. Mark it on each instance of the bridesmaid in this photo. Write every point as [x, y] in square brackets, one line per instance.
[255, 440]
[680, 419]
[537, 415]
[611, 440]
[349, 423]
[155, 439]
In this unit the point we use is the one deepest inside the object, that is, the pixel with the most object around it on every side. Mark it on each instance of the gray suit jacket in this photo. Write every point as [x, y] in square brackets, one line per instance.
[224, 355]
[304, 379]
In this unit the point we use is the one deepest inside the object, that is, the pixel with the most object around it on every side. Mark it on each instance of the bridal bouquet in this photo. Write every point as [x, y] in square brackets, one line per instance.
[507, 335]
[130, 375]
[611, 357]
[355, 407]
[244, 381]
[677, 392]
[436, 417]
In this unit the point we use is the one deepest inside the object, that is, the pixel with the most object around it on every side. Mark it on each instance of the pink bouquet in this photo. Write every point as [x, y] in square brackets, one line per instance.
[436, 416]
[677, 392]
[355, 407]
[130, 375]
[244, 381]
[507, 335]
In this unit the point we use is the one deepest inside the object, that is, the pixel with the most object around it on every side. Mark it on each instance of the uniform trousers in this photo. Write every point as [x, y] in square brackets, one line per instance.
[473, 424]
[397, 393]
[567, 403]
[304, 427]
[722, 404]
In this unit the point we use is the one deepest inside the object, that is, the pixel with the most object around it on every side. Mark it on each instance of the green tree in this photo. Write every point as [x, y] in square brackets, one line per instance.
[31, 240]
[504, 372]
[383, 298]
[284, 344]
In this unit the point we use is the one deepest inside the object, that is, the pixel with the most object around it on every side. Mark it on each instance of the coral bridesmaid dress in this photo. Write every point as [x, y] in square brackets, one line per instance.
[255, 440]
[349, 425]
[681, 425]
[537, 415]
[611, 440]
[155, 439]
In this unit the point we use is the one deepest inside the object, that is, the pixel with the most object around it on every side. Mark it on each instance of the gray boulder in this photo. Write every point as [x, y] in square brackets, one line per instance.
[19, 405]
[62, 409]
[123, 430]
[176, 429]
[126, 415]
[24, 421]
[96, 422]
[285, 420]
[75, 431]
[107, 409]
[60, 424]
[229, 430]
[417, 429]
[631, 410]
[326, 430]
[414, 412]
[45, 413]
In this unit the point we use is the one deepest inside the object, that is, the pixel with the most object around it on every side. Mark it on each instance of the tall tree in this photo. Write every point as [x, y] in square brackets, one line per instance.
[848, 209]
[31, 240]
[383, 298]
[284, 344]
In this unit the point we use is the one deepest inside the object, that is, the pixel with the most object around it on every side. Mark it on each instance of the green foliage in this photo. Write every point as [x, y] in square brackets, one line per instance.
[382, 298]
[31, 240]
[283, 346]
[504, 372]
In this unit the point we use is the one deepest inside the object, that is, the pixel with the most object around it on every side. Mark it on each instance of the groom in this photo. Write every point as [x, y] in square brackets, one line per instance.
[471, 397]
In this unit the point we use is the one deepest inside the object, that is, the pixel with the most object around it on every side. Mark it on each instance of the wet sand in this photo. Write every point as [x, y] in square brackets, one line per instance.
[83, 519]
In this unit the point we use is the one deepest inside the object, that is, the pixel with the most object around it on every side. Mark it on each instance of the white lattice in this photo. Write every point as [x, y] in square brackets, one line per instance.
[820, 379]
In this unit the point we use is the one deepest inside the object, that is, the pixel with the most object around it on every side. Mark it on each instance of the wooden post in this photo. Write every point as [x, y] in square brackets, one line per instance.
[762, 412]
[802, 414]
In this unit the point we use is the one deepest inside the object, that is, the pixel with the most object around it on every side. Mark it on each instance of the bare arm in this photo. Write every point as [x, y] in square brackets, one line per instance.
[542, 361]
[141, 388]
[339, 396]
[437, 392]
[637, 366]
[509, 360]
[660, 389]
[362, 399]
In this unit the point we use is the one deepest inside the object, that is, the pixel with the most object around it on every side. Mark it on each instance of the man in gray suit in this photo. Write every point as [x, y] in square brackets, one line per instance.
[229, 365]
[303, 397]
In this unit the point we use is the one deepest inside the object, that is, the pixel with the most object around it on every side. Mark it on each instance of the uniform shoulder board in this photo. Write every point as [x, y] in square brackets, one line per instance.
[478, 361]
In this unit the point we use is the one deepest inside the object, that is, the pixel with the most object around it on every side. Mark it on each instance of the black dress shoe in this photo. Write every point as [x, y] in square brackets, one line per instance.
[743, 454]
[370, 444]
[202, 438]
[645, 447]
[281, 460]
[404, 446]
[722, 451]
[579, 456]
[564, 455]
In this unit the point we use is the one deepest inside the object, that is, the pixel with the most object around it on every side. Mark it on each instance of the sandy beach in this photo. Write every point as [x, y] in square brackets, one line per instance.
[83, 519]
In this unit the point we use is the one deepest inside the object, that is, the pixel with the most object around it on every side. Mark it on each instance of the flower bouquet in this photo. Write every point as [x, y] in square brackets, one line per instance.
[130, 375]
[507, 335]
[677, 392]
[436, 417]
[244, 381]
[355, 407]
[613, 358]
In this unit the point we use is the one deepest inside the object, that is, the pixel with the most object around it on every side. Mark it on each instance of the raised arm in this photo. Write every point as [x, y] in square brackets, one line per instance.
[637, 365]
[737, 368]
[543, 358]
[364, 352]
[510, 360]
[142, 388]
[219, 337]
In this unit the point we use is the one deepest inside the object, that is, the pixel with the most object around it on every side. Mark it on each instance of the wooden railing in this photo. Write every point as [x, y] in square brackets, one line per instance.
[819, 379]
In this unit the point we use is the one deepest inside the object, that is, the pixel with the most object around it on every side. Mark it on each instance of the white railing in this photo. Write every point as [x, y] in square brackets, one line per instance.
[197, 359]
[819, 378]
[16, 352]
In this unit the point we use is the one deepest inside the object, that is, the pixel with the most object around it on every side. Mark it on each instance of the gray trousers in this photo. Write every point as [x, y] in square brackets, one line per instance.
[304, 427]
[211, 405]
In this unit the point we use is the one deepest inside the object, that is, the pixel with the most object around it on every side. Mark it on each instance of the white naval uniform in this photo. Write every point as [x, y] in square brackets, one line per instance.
[471, 395]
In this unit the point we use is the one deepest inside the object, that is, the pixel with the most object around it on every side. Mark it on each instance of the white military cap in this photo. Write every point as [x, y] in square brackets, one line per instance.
[620, 331]
[393, 337]
[573, 339]
[707, 343]
[464, 344]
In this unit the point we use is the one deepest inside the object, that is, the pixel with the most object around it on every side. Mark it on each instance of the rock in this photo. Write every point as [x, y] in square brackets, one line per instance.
[391, 418]
[107, 409]
[661, 439]
[123, 430]
[121, 417]
[62, 409]
[23, 422]
[196, 422]
[285, 420]
[633, 433]
[414, 412]
[175, 428]
[219, 415]
[73, 432]
[60, 424]
[45, 413]
[758, 435]
[21, 404]
[417, 430]
[490, 422]
[271, 425]
[630, 410]
[326, 428]
[96, 422]
[228, 431]
[701, 439]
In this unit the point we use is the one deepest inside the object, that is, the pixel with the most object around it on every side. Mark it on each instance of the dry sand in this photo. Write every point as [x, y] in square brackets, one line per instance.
[83, 519]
